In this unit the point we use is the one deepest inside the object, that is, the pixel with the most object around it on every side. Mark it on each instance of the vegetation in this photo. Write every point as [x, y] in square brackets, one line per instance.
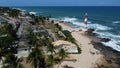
[36, 58]
[69, 37]
[14, 12]
[58, 26]
[51, 48]
[33, 40]
[79, 49]
[50, 61]
[7, 40]
[7, 48]
[11, 61]
[4, 9]
[62, 54]
[8, 29]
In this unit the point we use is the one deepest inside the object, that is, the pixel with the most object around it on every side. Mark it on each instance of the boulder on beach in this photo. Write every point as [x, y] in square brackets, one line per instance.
[90, 31]
[105, 39]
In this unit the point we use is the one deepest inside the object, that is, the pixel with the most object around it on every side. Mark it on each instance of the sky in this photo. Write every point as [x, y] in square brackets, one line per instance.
[59, 2]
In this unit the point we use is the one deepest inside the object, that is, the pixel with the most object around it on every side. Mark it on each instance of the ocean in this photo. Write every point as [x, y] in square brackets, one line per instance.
[106, 20]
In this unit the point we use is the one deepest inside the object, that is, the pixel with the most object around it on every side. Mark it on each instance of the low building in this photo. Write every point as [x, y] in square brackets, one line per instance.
[69, 47]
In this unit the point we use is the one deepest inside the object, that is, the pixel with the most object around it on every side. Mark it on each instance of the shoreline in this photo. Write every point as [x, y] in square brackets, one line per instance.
[87, 50]
[94, 53]
[107, 54]
[71, 28]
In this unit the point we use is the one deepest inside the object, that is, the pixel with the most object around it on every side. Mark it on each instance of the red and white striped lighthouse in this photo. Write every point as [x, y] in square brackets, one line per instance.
[85, 20]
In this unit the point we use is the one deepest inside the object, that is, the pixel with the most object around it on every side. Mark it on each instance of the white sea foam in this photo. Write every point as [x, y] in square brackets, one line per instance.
[23, 10]
[89, 22]
[115, 40]
[53, 19]
[107, 34]
[112, 44]
[32, 13]
[67, 19]
[99, 27]
[73, 21]
[90, 25]
[116, 22]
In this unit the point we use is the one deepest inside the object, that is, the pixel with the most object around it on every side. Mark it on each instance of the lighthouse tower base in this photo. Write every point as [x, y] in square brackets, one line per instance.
[84, 29]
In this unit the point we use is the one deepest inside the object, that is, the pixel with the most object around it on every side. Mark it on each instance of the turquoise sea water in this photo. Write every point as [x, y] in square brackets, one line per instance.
[106, 20]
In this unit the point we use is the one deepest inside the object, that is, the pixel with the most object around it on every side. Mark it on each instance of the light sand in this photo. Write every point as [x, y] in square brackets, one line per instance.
[86, 59]
[62, 42]
[25, 64]
[66, 27]
[68, 46]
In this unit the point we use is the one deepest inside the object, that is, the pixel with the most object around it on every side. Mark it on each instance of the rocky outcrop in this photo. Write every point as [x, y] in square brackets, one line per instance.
[111, 55]
[105, 39]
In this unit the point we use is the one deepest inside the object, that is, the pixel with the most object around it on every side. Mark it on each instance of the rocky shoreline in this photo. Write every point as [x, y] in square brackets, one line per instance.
[110, 55]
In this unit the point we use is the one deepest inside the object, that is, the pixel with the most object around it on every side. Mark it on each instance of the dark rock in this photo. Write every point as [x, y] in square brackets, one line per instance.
[105, 39]
[90, 32]
[109, 53]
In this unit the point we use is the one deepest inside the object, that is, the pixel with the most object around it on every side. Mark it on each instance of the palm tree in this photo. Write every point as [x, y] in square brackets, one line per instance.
[36, 57]
[5, 44]
[50, 48]
[11, 61]
[62, 54]
[6, 40]
[50, 61]
[1, 54]
[33, 39]
[14, 12]
[42, 20]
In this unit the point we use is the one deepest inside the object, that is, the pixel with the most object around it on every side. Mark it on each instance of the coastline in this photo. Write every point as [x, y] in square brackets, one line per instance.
[93, 54]
[83, 42]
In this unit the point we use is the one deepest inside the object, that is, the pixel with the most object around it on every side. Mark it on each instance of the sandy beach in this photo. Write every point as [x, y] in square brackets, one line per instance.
[89, 58]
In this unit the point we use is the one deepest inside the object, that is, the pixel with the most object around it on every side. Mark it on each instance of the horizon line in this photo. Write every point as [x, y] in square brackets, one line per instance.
[59, 6]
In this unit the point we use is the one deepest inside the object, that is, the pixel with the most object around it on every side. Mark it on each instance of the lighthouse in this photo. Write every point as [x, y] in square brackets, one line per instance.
[85, 20]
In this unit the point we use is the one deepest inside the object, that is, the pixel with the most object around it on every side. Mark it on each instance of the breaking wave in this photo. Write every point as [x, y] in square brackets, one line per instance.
[114, 43]
[116, 22]
[75, 21]
[33, 13]
[99, 27]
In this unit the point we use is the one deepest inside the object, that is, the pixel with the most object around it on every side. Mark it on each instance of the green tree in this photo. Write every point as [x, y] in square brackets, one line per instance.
[58, 26]
[14, 12]
[6, 40]
[50, 61]
[5, 44]
[50, 48]
[11, 61]
[36, 58]
[33, 39]
[62, 54]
